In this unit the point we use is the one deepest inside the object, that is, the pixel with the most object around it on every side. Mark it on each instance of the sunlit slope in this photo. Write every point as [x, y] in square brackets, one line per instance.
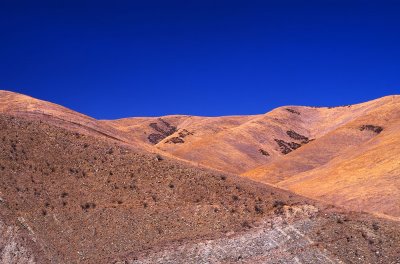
[367, 180]
[240, 143]
[35, 109]
[356, 165]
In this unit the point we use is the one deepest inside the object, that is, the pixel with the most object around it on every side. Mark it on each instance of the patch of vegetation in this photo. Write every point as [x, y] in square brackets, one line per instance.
[376, 129]
[284, 146]
[110, 151]
[175, 140]
[159, 157]
[297, 136]
[154, 138]
[85, 207]
[278, 205]
[263, 152]
[292, 111]
[184, 133]
[163, 128]
[258, 209]
[246, 224]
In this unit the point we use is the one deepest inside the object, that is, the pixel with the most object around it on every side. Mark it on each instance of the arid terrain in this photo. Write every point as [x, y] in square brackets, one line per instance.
[295, 185]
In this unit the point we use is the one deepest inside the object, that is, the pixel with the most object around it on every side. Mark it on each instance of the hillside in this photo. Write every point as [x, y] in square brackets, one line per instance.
[238, 144]
[355, 165]
[25, 106]
[295, 147]
[68, 197]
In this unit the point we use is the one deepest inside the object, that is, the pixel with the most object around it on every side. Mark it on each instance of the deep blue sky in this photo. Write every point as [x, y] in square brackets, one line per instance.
[111, 59]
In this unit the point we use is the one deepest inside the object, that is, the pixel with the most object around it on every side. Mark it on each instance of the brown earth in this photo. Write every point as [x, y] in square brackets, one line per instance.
[75, 189]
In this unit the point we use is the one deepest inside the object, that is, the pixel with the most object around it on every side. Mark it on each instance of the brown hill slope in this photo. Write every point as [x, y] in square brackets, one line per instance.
[356, 165]
[66, 197]
[240, 143]
[292, 141]
[26, 106]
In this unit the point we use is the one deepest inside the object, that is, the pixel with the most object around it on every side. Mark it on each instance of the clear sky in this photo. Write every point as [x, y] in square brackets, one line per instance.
[112, 59]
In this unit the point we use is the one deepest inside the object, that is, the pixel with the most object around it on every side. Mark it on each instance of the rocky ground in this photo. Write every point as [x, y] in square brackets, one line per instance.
[66, 197]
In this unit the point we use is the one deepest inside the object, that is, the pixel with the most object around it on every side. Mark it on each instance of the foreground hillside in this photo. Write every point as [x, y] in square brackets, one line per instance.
[66, 197]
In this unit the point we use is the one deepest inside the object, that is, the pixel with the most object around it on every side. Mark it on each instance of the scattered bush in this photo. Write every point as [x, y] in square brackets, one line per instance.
[246, 224]
[263, 152]
[376, 129]
[292, 111]
[297, 136]
[175, 140]
[85, 207]
[110, 151]
[258, 209]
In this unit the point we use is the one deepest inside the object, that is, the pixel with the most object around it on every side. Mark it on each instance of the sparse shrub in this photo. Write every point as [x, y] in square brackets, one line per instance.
[292, 111]
[376, 129]
[297, 136]
[235, 197]
[258, 209]
[110, 151]
[246, 224]
[175, 140]
[278, 205]
[263, 152]
[223, 177]
[85, 207]
[73, 170]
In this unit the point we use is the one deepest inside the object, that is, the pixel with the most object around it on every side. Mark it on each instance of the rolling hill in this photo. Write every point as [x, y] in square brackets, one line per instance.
[165, 189]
